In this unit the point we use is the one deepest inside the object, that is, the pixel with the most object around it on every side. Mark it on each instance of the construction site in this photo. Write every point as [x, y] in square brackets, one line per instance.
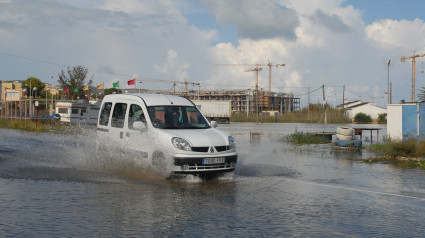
[242, 100]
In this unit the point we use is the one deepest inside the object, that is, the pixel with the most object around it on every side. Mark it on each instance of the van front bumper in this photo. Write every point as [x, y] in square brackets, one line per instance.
[205, 164]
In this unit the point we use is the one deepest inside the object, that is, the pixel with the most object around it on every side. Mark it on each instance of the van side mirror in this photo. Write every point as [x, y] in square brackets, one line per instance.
[214, 124]
[138, 125]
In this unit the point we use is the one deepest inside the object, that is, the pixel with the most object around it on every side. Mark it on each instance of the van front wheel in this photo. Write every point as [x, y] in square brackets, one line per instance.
[158, 161]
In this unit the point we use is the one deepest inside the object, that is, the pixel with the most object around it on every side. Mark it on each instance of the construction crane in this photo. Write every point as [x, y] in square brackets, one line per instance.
[186, 83]
[256, 69]
[258, 65]
[413, 57]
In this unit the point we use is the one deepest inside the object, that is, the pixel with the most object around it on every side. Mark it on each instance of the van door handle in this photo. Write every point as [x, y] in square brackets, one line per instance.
[121, 134]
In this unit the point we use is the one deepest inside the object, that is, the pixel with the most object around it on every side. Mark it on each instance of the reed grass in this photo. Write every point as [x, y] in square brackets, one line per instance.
[301, 138]
[312, 114]
[393, 149]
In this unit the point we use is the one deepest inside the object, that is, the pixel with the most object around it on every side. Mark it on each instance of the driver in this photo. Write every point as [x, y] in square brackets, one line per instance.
[172, 117]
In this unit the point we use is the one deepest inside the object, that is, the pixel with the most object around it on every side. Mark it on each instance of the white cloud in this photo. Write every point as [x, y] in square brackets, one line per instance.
[294, 80]
[173, 65]
[390, 33]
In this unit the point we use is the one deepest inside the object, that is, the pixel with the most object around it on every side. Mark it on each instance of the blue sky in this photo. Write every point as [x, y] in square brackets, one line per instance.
[374, 10]
[334, 43]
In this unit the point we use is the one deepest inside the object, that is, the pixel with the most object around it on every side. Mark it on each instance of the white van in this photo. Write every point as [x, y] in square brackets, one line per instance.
[165, 132]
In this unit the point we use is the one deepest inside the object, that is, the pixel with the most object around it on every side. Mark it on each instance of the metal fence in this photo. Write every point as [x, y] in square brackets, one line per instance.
[27, 108]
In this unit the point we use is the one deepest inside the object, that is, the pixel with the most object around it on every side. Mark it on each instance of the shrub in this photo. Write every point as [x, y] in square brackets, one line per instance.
[362, 118]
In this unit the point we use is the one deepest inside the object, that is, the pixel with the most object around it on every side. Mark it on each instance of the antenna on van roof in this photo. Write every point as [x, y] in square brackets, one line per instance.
[166, 96]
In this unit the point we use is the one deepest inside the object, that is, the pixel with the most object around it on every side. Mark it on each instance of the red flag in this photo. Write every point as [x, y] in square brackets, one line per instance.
[66, 90]
[132, 82]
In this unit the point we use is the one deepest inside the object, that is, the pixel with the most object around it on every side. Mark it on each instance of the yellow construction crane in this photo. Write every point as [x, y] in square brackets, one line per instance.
[258, 65]
[186, 83]
[256, 69]
[413, 57]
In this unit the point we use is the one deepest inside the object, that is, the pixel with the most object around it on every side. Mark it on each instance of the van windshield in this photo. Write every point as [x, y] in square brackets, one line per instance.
[177, 117]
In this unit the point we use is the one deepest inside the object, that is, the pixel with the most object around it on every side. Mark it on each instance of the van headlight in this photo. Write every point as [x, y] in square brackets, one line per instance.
[232, 144]
[181, 144]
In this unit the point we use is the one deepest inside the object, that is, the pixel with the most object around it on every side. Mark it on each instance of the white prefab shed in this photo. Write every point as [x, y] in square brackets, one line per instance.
[367, 108]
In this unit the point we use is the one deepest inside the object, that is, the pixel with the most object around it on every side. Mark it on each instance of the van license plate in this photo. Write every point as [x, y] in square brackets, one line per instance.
[214, 160]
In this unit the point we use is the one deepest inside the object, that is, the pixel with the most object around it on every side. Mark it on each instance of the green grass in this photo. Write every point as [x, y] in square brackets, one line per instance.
[44, 125]
[301, 138]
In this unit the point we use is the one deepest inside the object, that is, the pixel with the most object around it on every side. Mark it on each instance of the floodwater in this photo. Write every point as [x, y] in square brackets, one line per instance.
[49, 188]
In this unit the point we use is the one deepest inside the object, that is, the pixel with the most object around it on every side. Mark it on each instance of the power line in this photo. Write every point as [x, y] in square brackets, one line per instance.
[98, 71]
[309, 92]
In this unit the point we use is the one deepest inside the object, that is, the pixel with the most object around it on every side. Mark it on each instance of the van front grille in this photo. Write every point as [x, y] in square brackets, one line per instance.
[200, 149]
[205, 149]
[221, 148]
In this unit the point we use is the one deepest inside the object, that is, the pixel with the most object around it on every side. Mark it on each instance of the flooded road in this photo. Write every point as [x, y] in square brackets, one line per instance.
[50, 187]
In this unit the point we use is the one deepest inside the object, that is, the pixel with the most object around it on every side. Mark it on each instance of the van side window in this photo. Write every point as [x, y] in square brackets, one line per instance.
[135, 114]
[104, 115]
[118, 115]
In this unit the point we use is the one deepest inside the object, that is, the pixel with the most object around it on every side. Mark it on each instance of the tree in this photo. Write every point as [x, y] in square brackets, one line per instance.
[111, 91]
[382, 118]
[33, 82]
[74, 79]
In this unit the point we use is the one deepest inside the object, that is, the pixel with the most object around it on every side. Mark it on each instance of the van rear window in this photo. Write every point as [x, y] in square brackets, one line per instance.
[118, 115]
[104, 115]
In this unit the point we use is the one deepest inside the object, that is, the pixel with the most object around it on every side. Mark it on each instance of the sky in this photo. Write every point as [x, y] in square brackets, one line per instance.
[342, 44]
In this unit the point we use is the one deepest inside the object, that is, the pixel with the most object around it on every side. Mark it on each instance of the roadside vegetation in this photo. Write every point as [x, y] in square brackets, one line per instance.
[391, 149]
[314, 113]
[408, 153]
[43, 125]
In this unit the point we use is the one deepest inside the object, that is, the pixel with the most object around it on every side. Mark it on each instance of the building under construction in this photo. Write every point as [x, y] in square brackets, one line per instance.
[243, 100]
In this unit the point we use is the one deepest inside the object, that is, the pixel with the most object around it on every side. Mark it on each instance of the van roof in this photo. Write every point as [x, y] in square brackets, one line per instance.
[155, 99]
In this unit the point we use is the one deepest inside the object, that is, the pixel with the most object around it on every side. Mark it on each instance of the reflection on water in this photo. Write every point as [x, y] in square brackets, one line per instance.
[51, 187]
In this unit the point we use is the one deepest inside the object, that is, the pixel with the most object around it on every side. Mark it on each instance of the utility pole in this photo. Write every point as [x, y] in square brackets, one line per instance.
[343, 96]
[31, 100]
[388, 80]
[324, 103]
[308, 105]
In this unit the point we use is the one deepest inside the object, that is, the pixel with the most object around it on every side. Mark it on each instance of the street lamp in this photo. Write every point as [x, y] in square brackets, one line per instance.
[51, 92]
